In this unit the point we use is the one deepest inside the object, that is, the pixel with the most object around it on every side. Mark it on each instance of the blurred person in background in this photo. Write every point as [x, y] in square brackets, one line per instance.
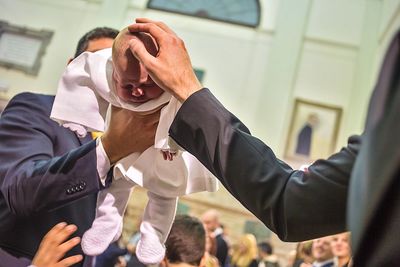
[322, 252]
[211, 221]
[267, 258]
[245, 252]
[341, 249]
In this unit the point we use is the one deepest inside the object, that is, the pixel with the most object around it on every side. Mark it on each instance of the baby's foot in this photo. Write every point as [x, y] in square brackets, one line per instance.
[149, 250]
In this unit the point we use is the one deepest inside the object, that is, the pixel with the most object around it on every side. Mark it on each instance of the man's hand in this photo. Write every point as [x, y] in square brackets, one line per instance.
[53, 247]
[129, 132]
[171, 69]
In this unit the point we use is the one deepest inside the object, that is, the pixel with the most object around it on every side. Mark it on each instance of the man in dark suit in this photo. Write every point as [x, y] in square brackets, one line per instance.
[363, 179]
[210, 219]
[49, 175]
[322, 252]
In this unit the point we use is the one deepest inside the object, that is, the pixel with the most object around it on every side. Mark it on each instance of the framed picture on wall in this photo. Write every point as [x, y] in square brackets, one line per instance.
[22, 48]
[313, 132]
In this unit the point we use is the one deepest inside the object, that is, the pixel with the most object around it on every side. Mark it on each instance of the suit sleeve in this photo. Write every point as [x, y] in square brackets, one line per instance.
[8, 260]
[32, 178]
[296, 205]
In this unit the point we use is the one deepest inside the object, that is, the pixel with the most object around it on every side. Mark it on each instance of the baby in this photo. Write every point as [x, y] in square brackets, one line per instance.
[90, 83]
[132, 83]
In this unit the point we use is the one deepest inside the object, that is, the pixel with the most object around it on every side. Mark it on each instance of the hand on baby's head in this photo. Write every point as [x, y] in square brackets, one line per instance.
[132, 82]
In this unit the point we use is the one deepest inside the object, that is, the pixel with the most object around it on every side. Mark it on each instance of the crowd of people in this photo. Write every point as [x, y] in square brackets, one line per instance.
[246, 251]
[50, 177]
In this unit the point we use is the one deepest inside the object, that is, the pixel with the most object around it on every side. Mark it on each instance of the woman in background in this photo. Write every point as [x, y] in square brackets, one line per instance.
[341, 249]
[245, 252]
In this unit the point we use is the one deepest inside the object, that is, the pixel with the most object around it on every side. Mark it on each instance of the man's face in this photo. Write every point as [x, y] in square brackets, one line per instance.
[132, 82]
[209, 223]
[321, 249]
[99, 44]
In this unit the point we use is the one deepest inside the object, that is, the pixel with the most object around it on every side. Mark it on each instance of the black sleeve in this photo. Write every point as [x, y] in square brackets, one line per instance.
[296, 205]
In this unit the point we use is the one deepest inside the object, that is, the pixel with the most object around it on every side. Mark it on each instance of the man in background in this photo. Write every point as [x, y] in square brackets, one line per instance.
[322, 252]
[185, 245]
[211, 222]
[48, 174]
[267, 258]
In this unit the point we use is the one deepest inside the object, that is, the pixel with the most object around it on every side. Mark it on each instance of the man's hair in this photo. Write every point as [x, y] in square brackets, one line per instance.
[265, 247]
[186, 241]
[96, 33]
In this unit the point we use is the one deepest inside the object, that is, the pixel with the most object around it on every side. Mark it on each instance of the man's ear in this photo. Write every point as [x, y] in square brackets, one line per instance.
[69, 60]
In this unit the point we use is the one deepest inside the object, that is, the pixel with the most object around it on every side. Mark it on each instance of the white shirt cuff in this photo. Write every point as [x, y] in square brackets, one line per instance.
[103, 163]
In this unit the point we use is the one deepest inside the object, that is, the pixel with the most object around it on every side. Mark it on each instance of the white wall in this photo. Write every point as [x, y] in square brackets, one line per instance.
[313, 49]
[390, 23]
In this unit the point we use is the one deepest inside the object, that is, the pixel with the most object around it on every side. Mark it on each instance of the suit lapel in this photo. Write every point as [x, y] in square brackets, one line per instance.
[386, 79]
[378, 161]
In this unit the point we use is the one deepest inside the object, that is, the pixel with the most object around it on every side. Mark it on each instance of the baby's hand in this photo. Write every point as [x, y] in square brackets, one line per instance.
[168, 155]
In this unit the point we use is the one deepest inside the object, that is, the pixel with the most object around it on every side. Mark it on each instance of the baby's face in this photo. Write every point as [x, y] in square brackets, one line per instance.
[132, 82]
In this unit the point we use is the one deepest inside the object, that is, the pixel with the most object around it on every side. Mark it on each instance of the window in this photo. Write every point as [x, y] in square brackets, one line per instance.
[242, 12]
[22, 48]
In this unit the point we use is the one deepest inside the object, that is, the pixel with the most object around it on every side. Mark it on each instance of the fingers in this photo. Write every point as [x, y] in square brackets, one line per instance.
[66, 246]
[53, 231]
[70, 261]
[153, 29]
[140, 52]
[63, 234]
[58, 234]
[160, 24]
[53, 247]
[157, 29]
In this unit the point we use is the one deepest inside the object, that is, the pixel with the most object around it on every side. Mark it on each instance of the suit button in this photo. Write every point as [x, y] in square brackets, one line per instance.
[73, 190]
[68, 191]
[81, 187]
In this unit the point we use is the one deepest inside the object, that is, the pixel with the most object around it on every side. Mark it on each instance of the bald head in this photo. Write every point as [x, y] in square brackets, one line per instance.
[210, 219]
[132, 81]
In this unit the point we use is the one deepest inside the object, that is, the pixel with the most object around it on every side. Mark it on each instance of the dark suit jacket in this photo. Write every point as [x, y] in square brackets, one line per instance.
[47, 175]
[7, 259]
[362, 179]
[110, 256]
[222, 250]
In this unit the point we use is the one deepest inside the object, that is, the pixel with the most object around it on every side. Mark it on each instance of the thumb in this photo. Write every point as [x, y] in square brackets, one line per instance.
[140, 52]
